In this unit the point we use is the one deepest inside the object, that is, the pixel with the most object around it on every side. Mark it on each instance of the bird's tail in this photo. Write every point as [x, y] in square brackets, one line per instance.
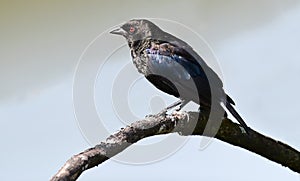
[235, 114]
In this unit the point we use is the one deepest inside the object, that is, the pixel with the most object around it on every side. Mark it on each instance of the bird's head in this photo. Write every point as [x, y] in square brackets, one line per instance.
[136, 29]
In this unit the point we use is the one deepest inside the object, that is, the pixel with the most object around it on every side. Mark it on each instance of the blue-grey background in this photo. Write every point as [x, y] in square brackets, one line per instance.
[256, 43]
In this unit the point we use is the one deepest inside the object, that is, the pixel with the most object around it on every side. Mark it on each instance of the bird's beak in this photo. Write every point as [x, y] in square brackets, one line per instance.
[118, 31]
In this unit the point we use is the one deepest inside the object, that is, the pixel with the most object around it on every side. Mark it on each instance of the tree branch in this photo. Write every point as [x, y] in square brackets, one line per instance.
[179, 122]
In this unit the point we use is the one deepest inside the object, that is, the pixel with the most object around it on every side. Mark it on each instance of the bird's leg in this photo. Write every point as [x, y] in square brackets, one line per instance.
[165, 110]
[182, 104]
[179, 102]
[181, 114]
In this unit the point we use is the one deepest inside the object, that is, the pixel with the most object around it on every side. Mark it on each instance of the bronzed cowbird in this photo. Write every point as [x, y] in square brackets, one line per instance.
[173, 66]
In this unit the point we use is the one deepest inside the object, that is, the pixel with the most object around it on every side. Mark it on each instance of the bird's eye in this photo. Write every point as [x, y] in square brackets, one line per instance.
[131, 29]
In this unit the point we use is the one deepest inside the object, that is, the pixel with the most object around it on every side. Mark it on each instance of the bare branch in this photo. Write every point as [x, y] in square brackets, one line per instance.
[179, 122]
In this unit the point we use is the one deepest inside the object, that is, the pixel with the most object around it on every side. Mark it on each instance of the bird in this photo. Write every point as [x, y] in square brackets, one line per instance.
[175, 68]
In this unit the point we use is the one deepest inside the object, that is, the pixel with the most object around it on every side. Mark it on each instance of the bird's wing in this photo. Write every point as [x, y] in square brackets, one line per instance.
[163, 84]
[183, 73]
[185, 50]
[165, 59]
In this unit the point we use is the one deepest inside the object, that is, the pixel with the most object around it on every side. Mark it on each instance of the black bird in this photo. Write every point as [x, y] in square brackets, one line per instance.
[172, 66]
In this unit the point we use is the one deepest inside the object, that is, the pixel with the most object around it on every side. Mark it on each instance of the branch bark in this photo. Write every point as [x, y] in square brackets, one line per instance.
[183, 123]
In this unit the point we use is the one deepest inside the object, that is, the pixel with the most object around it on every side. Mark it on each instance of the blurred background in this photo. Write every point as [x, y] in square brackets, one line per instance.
[256, 43]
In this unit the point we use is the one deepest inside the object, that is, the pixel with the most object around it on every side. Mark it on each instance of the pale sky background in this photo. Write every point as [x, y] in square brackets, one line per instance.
[257, 45]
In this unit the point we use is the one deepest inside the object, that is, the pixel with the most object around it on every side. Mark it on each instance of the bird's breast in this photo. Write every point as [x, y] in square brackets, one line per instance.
[140, 62]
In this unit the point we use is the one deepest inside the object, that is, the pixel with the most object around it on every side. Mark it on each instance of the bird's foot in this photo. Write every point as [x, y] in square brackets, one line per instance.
[181, 114]
[161, 113]
[178, 109]
[180, 119]
[180, 103]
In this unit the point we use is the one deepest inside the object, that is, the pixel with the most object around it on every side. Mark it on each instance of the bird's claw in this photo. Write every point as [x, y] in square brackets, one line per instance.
[178, 109]
[161, 113]
[181, 114]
